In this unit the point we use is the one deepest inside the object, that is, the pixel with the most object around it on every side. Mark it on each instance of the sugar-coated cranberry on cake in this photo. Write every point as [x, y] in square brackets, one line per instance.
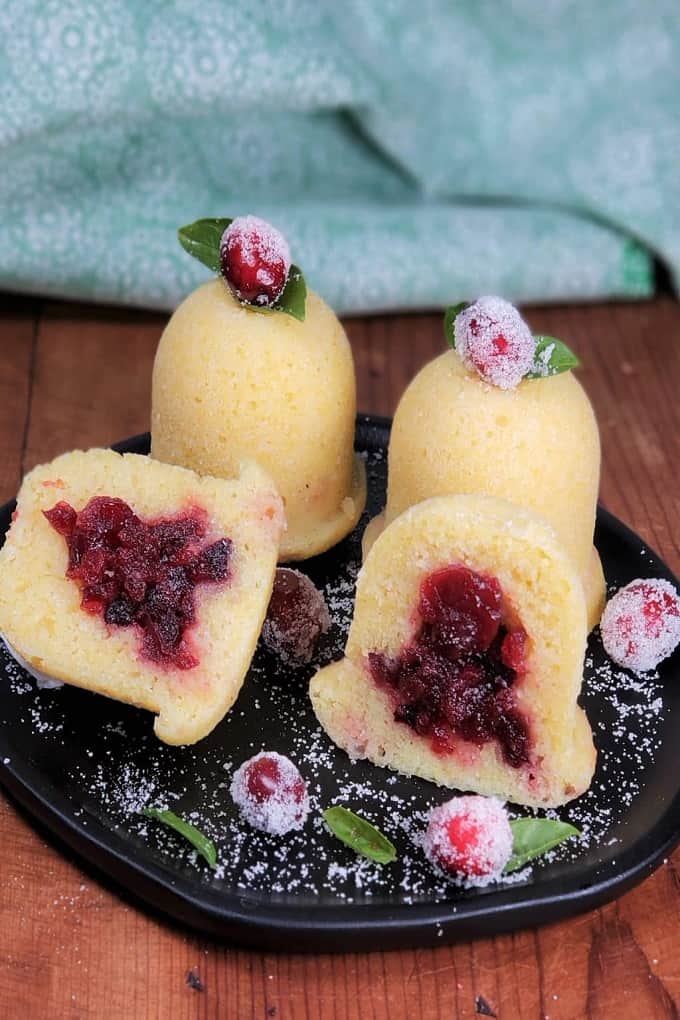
[465, 655]
[493, 339]
[254, 260]
[141, 581]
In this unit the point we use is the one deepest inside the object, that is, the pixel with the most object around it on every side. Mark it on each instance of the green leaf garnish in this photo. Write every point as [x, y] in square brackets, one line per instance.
[293, 296]
[205, 846]
[202, 240]
[360, 835]
[450, 322]
[551, 358]
[532, 837]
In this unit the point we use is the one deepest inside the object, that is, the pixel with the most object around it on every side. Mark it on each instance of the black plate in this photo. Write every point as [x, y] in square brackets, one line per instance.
[84, 766]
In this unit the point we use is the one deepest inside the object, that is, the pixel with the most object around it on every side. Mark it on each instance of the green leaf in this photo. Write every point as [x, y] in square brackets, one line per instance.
[293, 296]
[205, 846]
[202, 240]
[551, 358]
[450, 322]
[360, 835]
[532, 837]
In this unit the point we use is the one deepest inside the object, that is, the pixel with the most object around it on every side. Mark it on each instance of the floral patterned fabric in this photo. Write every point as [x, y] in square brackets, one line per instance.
[414, 155]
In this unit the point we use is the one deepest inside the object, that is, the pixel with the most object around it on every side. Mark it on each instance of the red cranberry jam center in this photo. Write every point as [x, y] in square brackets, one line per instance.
[142, 573]
[455, 679]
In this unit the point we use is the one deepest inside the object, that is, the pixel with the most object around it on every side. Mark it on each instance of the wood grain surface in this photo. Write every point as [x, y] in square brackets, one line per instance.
[71, 946]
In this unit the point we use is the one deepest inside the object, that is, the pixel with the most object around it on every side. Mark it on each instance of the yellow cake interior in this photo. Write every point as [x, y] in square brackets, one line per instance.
[40, 612]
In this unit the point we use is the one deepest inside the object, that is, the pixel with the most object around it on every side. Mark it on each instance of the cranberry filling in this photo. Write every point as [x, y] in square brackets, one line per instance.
[455, 678]
[142, 573]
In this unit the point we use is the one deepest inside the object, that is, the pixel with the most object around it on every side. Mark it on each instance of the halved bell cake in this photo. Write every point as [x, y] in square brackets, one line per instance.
[141, 581]
[465, 655]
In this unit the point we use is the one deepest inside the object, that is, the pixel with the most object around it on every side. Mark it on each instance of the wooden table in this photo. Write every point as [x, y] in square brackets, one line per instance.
[79, 376]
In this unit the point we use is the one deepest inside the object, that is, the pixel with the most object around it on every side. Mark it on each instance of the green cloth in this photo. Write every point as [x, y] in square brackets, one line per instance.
[413, 154]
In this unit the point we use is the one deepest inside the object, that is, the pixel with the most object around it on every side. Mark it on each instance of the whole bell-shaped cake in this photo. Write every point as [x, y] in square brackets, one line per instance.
[252, 366]
[501, 415]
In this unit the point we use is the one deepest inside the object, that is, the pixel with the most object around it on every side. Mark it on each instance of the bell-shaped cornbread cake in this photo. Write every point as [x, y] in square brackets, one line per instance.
[465, 655]
[536, 444]
[232, 382]
[141, 581]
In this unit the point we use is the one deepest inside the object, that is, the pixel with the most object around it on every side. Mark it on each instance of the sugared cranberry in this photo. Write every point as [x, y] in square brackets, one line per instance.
[640, 625]
[296, 618]
[141, 573]
[254, 260]
[454, 680]
[270, 793]
[493, 338]
[470, 839]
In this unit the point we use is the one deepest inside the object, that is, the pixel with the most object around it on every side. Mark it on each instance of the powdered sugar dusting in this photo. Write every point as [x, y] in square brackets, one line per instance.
[493, 339]
[641, 624]
[103, 761]
[541, 365]
[627, 731]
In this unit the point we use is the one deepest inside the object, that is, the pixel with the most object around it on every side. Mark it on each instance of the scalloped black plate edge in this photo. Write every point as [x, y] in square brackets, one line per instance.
[355, 927]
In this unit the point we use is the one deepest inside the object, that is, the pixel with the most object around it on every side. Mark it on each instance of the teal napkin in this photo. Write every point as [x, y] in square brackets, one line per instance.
[414, 155]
